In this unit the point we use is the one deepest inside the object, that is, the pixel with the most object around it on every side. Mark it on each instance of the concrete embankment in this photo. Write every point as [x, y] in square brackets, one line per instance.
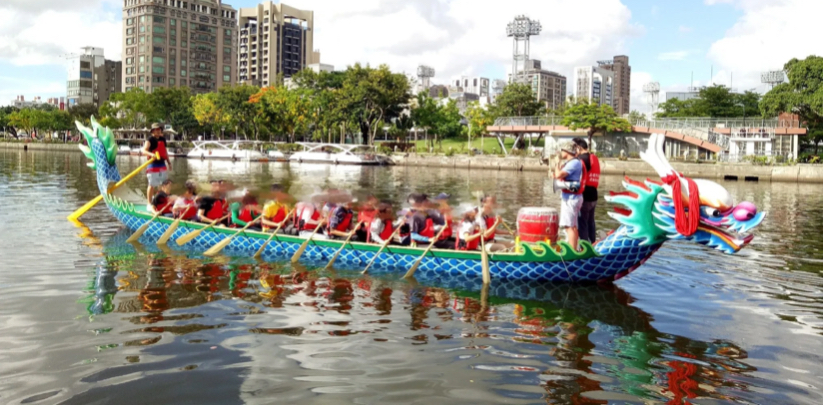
[634, 167]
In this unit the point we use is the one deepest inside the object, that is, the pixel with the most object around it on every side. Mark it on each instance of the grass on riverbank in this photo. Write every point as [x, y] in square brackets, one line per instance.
[459, 146]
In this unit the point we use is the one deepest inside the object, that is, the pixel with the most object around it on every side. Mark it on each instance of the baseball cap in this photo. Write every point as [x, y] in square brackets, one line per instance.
[442, 196]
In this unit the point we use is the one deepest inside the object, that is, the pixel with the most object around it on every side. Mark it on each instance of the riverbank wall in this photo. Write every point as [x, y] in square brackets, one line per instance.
[801, 173]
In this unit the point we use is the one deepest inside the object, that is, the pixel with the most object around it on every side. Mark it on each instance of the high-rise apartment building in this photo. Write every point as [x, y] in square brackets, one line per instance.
[547, 86]
[274, 39]
[169, 43]
[594, 83]
[92, 78]
[473, 85]
[621, 102]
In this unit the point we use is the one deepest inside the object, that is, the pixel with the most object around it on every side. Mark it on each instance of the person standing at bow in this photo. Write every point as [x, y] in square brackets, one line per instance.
[585, 223]
[570, 173]
[157, 172]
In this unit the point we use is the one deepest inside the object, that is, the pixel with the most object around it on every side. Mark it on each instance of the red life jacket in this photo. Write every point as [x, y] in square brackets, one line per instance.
[489, 223]
[280, 215]
[428, 231]
[366, 215]
[583, 179]
[462, 245]
[298, 214]
[190, 212]
[593, 179]
[450, 224]
[388, 230]
[163, 206]
[246, 215]
[217, 210]
[344, 225]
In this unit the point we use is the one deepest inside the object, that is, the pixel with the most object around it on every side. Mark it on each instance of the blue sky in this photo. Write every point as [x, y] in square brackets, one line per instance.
[666, 40]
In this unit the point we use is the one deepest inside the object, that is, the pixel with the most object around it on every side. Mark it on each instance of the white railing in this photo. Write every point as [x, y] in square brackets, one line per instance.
[528, 121]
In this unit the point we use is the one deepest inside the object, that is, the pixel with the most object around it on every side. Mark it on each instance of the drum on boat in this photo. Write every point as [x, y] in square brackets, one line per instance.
[536, 224]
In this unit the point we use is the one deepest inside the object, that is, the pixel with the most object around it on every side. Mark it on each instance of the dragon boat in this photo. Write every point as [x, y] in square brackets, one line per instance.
[650, 213]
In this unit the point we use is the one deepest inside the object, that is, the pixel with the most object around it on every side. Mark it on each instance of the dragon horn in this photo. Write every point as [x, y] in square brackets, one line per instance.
[655, 157]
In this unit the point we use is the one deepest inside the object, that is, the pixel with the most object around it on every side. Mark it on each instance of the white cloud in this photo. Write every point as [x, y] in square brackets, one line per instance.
[464, 36]
[41, 35]
[769, 34]
[639, 100]
[676, 55]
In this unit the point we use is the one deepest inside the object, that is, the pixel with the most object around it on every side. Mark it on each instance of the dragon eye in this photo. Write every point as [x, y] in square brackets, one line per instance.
[711, 212]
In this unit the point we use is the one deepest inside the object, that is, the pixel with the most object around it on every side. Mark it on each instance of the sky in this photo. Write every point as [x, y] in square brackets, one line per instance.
[676, 43]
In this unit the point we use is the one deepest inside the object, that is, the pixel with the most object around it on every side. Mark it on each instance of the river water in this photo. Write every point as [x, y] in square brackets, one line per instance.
[86, 318]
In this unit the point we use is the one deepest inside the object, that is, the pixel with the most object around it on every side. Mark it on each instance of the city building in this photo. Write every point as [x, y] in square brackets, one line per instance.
[497, 87]
[320, 67]
[439, 91]
[594, 83]
[621, 99]
[689, 94]
[549, 87]
[275, 39]
[91, 77]
[169, 43]
[473, 85]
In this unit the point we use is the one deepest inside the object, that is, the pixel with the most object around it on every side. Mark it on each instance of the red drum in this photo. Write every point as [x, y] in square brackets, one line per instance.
[536, 224]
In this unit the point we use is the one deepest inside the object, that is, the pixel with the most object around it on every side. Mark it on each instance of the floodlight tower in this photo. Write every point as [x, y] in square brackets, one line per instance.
[773, 77]
[521, 29]
[425, 74]
[652, 90]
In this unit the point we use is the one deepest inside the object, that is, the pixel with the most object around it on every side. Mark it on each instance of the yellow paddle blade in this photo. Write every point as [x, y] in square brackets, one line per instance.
[169, 232]
[82, 210]
[410, 273]
[140, 231]
[215, 250]
[189, 237]
[299, 253]
[262, 249]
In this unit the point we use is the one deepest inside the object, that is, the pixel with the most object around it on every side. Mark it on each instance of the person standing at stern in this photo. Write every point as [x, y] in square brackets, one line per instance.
[570, 173]
[157, 172]
[585, 223]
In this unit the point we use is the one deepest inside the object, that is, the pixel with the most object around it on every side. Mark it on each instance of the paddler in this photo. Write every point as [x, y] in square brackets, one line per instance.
[382, 226]
[275, 211]
[585, 223]
[163, 200]
[185, 206]
[247, 210]
[443, 217]
[488, 222]
[365, 214]
[341, 221]
[468, 232]
[570, 173]
[157, 172]
[213, 207]
[422, 223]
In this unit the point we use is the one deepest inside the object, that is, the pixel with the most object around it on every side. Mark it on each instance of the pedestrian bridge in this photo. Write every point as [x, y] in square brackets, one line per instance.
[730, 138]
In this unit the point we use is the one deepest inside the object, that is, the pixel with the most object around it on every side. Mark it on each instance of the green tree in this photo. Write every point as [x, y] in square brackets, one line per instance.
[801, 95]
[5, 123]
[132, 109]
[676, 108]
[517, 100]
[424, 112]
[635, 117]
[207, 112]
[448, 121]
[594, 118]
[370, 96]
[82, 112]
[479, 118]
[286, 111]
[235, 101]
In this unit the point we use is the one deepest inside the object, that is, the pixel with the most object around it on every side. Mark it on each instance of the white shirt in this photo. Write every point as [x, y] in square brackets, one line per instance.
[377, 227]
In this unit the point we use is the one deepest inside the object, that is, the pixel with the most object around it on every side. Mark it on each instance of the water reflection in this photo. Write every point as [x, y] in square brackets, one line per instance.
[586, 345]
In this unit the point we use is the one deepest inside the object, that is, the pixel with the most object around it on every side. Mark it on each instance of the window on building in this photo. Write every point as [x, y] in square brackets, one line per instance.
[130, 21]
[171, 81]
[184, 44]
[228, 33]
[173, 32]
[158, 29]
[159, 20]
[142, 59]
[142, 48]
[158, 69]
[142, 39]
[129, 41]
[226, 78]
[129, 70]
[173, 22]
[182, 82]
[142, 18]
[182, 72]
[159, 40]
[129, 31]
[140, 79]
[183, 63]
[184, 24]
[173, 42]
[227, 69]
[142, 28]
[158, 60]
[142, 69]
[172, 62]
[129, 61]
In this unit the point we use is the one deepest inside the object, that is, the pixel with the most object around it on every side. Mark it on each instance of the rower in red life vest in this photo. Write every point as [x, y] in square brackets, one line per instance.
[247, 210]
[468, 232]
[275, 211]
[341, 221]
[163, 200]
[213, 207]
[585, 222]
[306, 218]
[185, 206]
[157, 172]
[422, 224]
[488, 222]
[572, 173]
[443, 217]
[382, 226]
[365, 214]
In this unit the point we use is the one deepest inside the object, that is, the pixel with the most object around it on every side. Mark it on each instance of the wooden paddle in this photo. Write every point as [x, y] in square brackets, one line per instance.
[140, 231]
[259, 253]
[173, 227]
[410, 273]
[89, 205]
[299, 252]
[383, 247]
[484, 261]
[333, 258]
[193, 234]
[219, 246]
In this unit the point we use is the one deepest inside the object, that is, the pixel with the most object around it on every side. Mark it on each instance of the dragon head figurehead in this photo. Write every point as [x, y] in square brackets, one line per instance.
[661, 211]
[102, 151]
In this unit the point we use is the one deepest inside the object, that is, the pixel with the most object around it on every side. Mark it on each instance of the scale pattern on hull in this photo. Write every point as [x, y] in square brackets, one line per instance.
[618, 254]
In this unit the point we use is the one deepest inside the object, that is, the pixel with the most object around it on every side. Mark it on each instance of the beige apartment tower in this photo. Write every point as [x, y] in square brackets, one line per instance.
[274, 39]
[171, 43]
[621, 101]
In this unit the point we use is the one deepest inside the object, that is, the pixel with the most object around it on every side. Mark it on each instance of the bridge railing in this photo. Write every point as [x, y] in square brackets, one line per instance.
[680, 123]
[528, 121]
